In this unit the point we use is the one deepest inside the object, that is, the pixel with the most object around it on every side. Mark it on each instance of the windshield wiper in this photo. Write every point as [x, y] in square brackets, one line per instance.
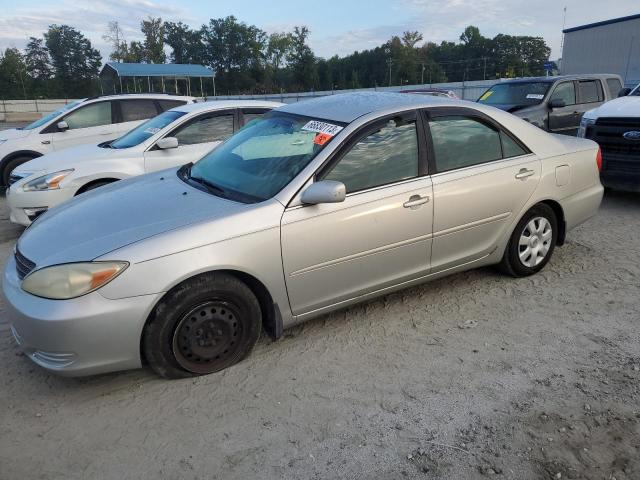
[211, 187]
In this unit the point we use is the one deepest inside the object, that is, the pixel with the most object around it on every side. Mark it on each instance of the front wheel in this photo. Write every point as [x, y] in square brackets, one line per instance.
[532, 242]
[202, 326]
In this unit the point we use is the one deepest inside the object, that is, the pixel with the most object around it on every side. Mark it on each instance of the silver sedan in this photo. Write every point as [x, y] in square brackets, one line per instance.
[319, 205]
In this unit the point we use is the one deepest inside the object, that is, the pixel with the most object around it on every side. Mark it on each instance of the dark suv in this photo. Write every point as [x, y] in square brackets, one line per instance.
[555, 104]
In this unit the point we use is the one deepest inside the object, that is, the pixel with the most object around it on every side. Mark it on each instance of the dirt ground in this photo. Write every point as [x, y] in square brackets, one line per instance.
[466, 377]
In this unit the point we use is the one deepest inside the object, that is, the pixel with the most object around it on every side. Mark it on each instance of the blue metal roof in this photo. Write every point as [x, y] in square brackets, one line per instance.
[158, 70]
[600, 24]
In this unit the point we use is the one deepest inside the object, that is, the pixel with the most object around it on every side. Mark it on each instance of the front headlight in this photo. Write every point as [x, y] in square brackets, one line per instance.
[584, 123]
[46, 182]
[70, 280]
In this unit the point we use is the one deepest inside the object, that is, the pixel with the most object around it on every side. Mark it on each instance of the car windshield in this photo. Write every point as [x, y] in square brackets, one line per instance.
[146, 130]
[262, 158]
[47, 118]
[519, 93]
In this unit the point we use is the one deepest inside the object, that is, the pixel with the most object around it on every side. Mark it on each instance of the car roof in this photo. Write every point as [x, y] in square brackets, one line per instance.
[155, 96]
[555, 78]
[347, 107]
[221, 104]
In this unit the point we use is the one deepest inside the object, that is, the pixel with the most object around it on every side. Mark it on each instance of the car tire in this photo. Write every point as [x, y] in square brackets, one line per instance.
[10, 166]
[532, 242]
[202, 326]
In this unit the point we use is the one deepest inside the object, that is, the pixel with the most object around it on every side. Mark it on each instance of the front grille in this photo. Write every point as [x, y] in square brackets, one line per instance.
[619, 155]
[24, 266]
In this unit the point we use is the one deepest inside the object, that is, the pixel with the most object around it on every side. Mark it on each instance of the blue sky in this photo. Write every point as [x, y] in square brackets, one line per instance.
[337, 27]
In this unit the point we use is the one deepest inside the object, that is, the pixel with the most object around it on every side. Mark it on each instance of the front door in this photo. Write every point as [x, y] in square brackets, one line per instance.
[484, 178]
[565, 120]
[379, 236]
[90, 124]
[196, 137]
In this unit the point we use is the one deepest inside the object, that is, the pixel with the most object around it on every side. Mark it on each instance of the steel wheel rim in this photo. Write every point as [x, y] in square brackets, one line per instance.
[207, 336]
[535, 242]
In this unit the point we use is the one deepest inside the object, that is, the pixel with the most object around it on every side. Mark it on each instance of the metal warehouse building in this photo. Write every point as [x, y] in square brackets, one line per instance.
[612, 46]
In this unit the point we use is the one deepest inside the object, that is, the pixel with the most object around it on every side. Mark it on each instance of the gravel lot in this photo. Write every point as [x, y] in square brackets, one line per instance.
[470, 376]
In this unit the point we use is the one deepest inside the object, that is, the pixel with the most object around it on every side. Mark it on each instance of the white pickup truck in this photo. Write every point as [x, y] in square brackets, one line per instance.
[615, 125]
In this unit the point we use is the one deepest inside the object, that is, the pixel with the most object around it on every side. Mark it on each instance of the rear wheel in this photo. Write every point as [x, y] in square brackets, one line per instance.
[202, 326]
[10, 166]
[532, 242]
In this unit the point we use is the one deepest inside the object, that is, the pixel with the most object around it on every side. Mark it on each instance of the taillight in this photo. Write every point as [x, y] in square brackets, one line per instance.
[599, 159]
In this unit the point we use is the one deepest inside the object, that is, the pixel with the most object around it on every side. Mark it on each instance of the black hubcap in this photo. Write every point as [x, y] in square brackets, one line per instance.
[207, 336]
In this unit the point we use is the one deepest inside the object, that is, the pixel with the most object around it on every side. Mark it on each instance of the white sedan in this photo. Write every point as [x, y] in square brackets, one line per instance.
[175, 137]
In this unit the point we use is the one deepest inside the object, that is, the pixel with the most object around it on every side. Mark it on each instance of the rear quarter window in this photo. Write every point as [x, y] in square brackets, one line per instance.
[169, 104]
[614, 86]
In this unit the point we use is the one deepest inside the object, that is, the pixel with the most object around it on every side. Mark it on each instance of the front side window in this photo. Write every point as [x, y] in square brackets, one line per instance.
[261, 159]
[460, 142]
[387, 155]
[146, 130]
[205, 129]
[614, 86]
[566, 92]
[134, 110]
[50, 116]
[516, 93]
[589, 91]
[92, 115]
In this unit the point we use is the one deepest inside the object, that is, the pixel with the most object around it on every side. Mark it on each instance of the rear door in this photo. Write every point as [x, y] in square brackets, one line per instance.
[91, 123]
[565, 120]
[483, 177]
[196, 137]
[590, 95]
[379, 236]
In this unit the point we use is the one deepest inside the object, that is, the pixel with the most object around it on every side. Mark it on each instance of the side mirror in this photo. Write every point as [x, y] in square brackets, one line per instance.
[324, 191]
[557, 103]
[62, 126]
[167, 143]
[624, 92]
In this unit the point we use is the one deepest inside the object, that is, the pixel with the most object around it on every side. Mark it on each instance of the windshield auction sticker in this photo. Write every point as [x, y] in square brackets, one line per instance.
[322, 127]
[535, 96]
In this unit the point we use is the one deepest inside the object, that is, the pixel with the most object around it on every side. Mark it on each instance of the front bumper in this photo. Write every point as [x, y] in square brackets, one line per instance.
[628, 182]
[82, 336]
[18, 201]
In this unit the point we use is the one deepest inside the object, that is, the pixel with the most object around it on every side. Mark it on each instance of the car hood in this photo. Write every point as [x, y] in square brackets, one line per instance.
[13, 133]
[117, 215]
[64, 159]
[620, 107]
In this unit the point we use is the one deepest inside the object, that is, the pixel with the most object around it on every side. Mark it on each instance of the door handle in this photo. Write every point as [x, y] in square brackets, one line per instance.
[524, 173]
[45, 142]
[415, 201]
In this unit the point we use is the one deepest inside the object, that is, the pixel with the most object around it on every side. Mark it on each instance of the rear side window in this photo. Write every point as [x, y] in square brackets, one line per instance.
[134, 110]
[169, 104]
[205, 129]
[510, 148]
[614, 86]
[387, 155]
[590, 91]
[566, 92]
[92, 115]
[251, 116]
[460, 142]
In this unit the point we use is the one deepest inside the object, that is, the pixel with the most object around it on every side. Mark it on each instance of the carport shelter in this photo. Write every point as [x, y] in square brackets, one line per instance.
[118, 77]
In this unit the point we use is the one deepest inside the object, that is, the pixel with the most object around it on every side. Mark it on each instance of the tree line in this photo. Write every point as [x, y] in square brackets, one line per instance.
[63, 63]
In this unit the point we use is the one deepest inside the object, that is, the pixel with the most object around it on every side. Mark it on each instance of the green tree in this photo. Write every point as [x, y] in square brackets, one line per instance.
[13, 73]
[75, 62]
[115, 37]
[37, 59]
[186, 44]
[278, 49]
[302, 61]
[153, 31]
[235, 51]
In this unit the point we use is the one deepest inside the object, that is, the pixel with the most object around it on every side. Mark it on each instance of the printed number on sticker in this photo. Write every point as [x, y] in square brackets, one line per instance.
[322, 127]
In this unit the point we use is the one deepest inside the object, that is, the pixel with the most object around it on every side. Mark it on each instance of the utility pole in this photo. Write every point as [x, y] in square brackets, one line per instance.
[422, 77]
[564, 22]
[484, 73]
[390, 62]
